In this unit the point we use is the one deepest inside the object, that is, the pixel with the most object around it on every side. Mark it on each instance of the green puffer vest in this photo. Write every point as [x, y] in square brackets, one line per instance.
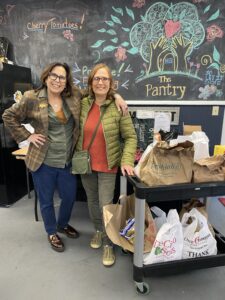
[115, 127]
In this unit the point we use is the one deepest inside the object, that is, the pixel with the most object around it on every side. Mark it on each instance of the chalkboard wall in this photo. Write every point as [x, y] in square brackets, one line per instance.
[159, 51]
[167, 50]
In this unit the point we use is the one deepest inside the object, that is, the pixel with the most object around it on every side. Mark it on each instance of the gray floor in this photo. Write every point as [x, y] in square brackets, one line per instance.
[29, 269]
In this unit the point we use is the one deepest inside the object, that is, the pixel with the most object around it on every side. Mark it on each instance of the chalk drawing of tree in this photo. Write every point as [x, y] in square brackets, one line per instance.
[167, 31]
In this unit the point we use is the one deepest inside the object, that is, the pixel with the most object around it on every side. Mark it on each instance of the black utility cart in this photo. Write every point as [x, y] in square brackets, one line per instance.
[166, 193]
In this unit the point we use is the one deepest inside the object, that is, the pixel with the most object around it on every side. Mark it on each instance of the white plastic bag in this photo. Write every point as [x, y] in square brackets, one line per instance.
[160, 217]
[138, 166]
[201, 144]
[200, 141]
[168, 244]
[198, 239]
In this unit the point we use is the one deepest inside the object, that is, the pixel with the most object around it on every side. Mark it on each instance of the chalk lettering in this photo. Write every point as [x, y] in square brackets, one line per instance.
[164, 79]
[52, 24]
[167, 90]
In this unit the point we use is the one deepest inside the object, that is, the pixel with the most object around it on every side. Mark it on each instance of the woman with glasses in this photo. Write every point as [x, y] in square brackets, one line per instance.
[105, 151]
[54, 111]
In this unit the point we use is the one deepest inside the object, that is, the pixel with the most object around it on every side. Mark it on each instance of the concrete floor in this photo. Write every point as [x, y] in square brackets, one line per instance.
[30, 269]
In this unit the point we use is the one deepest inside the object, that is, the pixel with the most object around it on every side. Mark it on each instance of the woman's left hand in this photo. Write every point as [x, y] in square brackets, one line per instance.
[121, 104]
[126, 169]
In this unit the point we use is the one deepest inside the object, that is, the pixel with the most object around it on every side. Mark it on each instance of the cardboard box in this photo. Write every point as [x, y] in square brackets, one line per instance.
[188, 129]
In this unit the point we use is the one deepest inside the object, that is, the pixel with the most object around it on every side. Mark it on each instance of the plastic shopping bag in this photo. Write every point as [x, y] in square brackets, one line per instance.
[168, 244]
[160, 217]
[198, 239]
[200, 206]
[138, 166]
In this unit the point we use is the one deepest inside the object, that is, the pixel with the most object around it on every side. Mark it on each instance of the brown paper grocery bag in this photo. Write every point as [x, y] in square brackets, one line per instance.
[209, 169]
[166, 165]
[115, 217]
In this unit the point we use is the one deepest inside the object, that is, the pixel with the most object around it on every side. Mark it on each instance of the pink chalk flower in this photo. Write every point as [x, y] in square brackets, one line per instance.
[214, 31]
[138, 3]
[120, 54]
[68, 35]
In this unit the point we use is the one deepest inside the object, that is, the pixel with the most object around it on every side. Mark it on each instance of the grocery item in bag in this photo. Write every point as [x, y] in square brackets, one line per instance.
[116, 217]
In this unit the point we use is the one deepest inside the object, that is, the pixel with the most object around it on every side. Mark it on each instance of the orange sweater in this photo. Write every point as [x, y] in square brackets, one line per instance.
[98, 147]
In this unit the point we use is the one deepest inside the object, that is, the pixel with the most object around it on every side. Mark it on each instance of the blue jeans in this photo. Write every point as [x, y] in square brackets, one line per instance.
[46, 180]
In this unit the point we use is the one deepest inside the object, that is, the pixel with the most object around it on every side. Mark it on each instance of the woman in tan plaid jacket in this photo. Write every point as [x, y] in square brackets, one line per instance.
[53, 110]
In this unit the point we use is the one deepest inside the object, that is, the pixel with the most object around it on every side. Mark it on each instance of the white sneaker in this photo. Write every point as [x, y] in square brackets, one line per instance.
[108, 258]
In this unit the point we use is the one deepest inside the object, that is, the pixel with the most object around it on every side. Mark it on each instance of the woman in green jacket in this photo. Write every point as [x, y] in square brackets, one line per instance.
[106, 151]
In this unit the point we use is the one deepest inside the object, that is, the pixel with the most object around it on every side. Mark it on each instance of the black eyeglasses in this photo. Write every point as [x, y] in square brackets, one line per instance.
[54, 76]
[103, 79]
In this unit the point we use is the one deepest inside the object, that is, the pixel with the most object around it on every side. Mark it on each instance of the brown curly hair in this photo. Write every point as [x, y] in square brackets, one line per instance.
[69, 88]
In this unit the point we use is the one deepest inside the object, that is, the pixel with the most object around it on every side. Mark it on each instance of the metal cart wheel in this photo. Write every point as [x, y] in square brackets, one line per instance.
[142, 288]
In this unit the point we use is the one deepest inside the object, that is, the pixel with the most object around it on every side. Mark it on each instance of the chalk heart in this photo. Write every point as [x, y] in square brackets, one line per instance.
[171, 28]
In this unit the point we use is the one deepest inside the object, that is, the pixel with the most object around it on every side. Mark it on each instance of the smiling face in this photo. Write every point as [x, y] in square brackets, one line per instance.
[56, 80]
[101, 83]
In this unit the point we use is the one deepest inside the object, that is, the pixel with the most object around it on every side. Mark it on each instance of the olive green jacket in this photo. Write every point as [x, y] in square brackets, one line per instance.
[33, 109]
[115, 127]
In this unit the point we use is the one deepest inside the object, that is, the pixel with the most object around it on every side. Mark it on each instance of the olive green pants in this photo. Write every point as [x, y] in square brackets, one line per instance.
[99, 188]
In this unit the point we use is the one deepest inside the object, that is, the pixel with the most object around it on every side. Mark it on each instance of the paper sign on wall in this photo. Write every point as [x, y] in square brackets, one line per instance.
[162, 121]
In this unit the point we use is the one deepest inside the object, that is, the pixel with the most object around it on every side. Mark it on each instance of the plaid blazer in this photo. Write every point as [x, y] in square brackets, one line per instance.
[33, 109]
